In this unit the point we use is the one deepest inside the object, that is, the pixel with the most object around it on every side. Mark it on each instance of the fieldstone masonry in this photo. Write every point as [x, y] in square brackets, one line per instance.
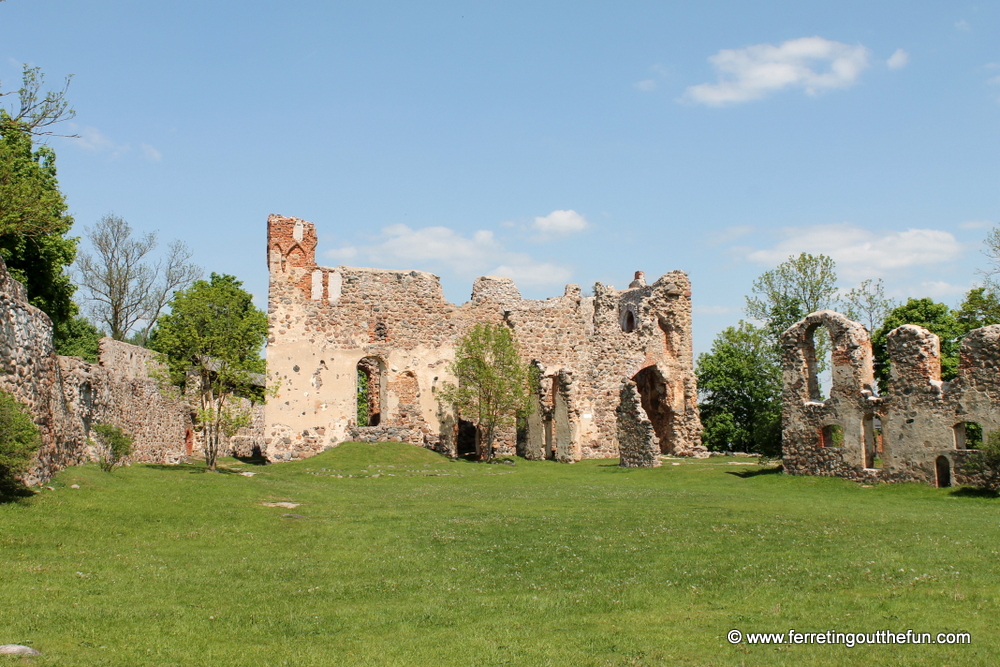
[395, 327]
[923, 419]
[66, 395]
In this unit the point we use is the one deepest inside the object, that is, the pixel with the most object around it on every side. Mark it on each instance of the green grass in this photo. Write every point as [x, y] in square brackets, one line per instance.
[397, 556]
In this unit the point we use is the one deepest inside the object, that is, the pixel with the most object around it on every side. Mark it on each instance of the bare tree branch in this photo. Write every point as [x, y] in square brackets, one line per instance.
[38, 111]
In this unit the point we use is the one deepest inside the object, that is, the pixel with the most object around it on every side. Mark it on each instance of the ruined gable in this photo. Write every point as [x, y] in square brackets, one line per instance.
[396, 332]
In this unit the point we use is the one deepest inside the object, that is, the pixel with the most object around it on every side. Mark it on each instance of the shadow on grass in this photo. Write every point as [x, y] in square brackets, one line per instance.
[255, 460]
[974, 492]
[11, 490]
[746, 474]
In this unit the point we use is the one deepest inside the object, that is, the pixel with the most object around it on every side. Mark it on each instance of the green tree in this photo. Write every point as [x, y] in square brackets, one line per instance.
[117, 445]
[81, 339]
[936, 318]
[493, 383]
[213, 336]
[19, 438]
[979, 309]
[806, 283]
[740, 383]
[33, 218]
[868, 304]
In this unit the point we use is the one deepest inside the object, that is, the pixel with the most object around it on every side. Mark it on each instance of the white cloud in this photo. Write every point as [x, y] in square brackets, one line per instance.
[437, 248]
[963, 25]
[561, 223]
[939, 289]
[646, 85]
[150, 153]
[976, 224]
[759, 70]
[92, 139]
[898, 60]
[861, 253]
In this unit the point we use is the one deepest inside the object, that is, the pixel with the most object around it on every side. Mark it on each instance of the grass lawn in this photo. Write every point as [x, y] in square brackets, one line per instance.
[397, 556]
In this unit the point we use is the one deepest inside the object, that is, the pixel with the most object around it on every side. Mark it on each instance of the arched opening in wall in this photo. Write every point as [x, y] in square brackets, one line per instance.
[465, 439]
[968, 435]
[189, 442]
[819, 362]
[628, 322]
[833, 435]
[371, 391]
[943, 469]
[654, 393]
[872, 438]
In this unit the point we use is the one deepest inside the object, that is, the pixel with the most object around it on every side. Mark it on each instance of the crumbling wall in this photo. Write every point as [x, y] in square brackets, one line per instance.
[325, 321]
[66, 395]
[638, 445]
[922, 418]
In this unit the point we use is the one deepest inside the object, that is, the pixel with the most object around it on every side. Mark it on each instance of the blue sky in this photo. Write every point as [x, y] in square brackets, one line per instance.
[553, 142]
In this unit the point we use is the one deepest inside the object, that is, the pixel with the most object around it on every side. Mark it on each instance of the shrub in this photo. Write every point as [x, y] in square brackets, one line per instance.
[117, 443]
[985, 462]
[19, 438]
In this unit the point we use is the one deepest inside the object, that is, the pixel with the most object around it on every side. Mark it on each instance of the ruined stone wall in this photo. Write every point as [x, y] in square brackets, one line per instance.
[324, 322]
[922, 418]
[66, 395]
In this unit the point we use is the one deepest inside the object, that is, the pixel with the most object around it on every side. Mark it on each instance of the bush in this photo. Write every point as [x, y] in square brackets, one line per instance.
[19, 438]
[117, 443]
[985, 462]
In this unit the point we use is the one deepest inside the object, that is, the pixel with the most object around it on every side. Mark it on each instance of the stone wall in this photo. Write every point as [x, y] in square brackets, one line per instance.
[396, 327]
[66, 395]
[923, 419]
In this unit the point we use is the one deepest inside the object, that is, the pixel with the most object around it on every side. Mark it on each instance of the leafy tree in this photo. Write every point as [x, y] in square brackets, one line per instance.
[122, 287]
[806, 283]
[117, 444]
[213, 336]
[37, 111]
[493, 382]
[19, 438]
[33, 218]
[936, 318]
[740, 382]
[81, 339]
[868, 304]
[980, 308]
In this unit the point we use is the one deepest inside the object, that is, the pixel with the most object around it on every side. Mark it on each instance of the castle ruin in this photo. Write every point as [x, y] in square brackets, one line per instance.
[921, 430]
[388, 336]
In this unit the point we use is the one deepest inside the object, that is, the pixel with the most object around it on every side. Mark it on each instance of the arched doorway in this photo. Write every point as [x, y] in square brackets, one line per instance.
[370, 391]
[943, 467]
[654, 393]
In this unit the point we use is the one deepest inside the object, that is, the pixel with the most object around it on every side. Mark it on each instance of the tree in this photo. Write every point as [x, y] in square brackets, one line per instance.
[807, 282]
[740, 382]
[34, 224]
[19, 438]
[81, 339]
[213, 336]
[980, 308]
[122, 287]
[33, 218]
[936, 318]
[868, 304]
[117, 444]
[493, 382]
[37, 111]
